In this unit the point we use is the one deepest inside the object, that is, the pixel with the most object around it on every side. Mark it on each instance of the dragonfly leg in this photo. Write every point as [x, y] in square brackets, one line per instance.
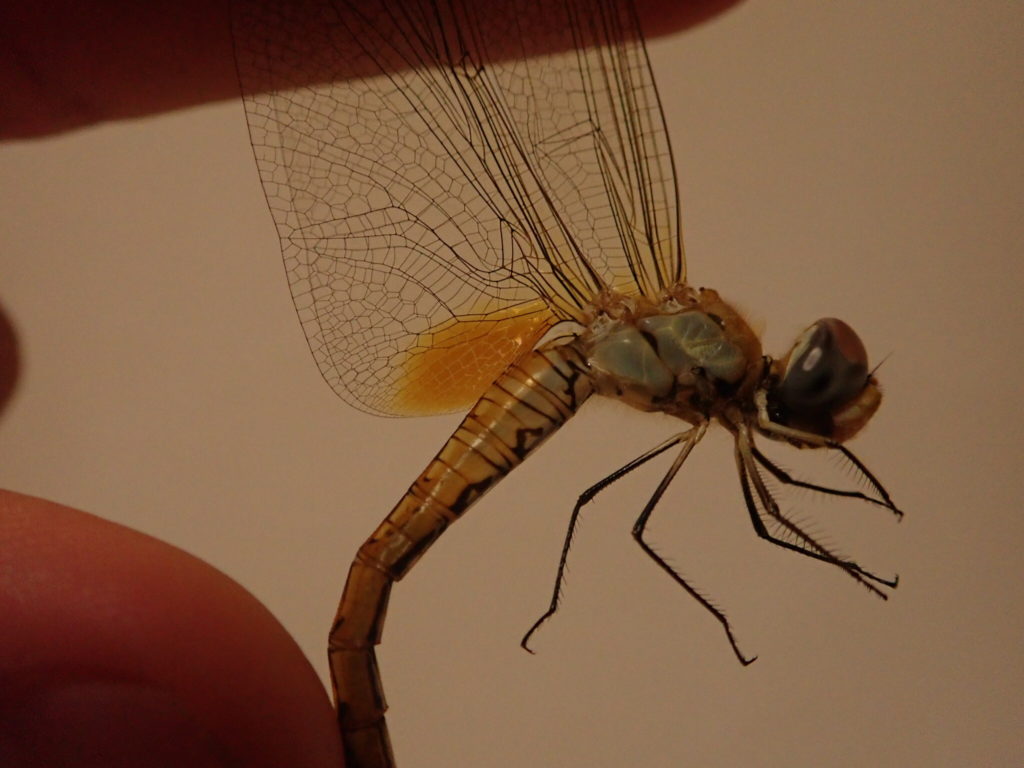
[784, 477]
[758, 498]
[872, 481]
[768, 426]
[689, 439]
[585, 498]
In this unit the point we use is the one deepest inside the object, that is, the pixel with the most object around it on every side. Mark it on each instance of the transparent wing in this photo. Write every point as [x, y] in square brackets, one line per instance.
[442, 194]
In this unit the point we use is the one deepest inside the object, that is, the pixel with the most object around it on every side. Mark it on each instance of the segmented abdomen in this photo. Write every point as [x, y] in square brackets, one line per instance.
[524, 406]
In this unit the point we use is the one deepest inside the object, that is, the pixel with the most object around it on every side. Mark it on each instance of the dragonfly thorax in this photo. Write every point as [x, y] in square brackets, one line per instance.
[692, 355]
[689, 354]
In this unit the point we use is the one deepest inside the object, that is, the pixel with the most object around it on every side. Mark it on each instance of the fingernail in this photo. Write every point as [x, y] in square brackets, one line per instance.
[104, 723]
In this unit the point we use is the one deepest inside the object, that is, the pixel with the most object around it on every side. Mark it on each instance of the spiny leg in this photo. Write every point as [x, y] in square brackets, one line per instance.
[689, 439]
[765, 423]
[872, 480]
[808, 546]
[585, 498]
[784, 477]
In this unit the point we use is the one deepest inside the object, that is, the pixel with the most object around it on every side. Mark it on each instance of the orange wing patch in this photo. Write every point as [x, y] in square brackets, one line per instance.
[451, 365]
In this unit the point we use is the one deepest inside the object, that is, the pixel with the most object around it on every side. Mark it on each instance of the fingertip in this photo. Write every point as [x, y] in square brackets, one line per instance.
[666, 17]
[92, 604]
[10, 359]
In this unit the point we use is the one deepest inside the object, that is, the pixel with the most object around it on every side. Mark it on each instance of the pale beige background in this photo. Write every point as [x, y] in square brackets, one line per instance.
[858, 159]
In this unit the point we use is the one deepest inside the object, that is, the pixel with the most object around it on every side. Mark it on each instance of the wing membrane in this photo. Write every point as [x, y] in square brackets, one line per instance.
[441, 170]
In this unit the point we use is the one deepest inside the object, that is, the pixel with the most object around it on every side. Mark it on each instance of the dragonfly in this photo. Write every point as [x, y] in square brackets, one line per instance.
[478, 209]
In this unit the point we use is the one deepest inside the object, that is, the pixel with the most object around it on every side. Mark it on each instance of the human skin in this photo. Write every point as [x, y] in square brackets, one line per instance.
[116, 648]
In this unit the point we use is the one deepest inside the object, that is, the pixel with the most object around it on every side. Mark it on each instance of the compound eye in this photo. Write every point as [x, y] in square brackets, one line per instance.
[827, 367]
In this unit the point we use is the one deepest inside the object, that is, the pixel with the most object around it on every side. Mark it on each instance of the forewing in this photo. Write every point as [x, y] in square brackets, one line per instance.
[442, 184]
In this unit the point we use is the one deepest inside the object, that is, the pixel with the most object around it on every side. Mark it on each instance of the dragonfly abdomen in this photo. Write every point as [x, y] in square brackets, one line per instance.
[523, 407]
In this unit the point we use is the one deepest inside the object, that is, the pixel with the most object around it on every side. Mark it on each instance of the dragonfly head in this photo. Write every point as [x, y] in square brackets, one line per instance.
[823, 386]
